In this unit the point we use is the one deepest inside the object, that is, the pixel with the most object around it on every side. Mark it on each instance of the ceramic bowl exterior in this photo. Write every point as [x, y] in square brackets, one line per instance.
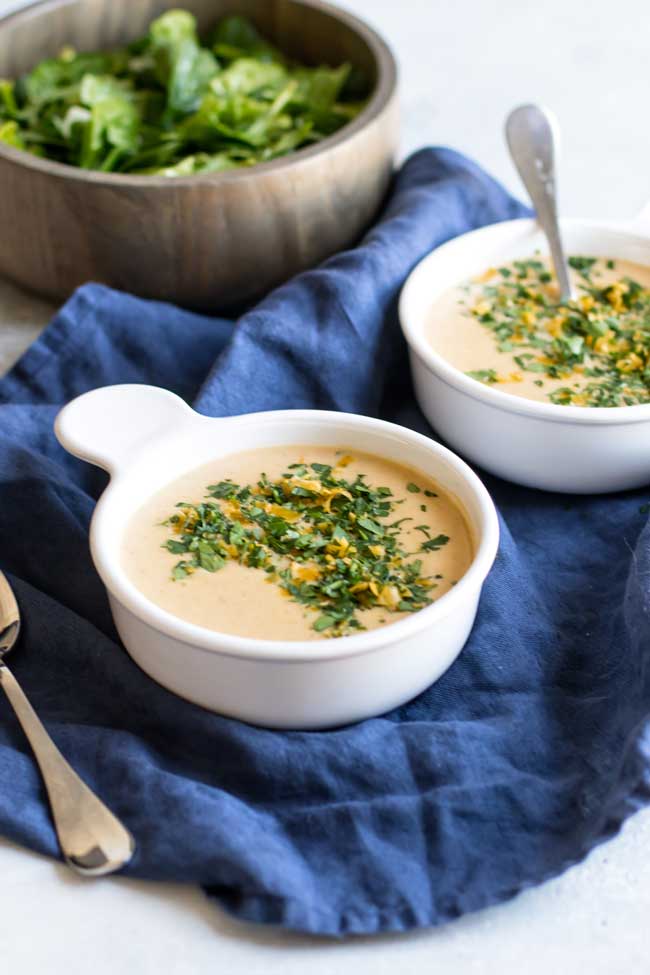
[133, 431]
[581, 450]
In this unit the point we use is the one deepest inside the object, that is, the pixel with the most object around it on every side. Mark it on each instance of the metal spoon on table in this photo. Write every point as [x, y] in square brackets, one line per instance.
[531, 134]
[93, 841]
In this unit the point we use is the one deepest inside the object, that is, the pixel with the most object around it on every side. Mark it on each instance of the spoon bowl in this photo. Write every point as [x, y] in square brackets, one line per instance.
[532, 137]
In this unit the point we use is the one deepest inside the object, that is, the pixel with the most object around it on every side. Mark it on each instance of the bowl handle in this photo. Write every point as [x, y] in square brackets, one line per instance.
[107, 426]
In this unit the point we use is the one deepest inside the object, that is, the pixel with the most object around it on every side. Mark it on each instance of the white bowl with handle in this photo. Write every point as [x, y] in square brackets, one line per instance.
[147, 437]
[581, 450]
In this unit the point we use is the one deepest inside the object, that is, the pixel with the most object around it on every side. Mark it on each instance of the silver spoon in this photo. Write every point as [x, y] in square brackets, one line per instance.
[531, 133]
[93, 841]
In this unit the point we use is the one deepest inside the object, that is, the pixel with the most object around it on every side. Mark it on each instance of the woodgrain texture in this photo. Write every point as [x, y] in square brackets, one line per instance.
[206, 242]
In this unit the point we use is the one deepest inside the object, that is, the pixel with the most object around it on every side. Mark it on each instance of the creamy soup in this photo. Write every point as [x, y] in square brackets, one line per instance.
[297, 543]
[508, 329]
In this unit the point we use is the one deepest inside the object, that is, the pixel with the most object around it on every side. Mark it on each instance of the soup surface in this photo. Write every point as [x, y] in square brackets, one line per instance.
[297, 543]
[508, 328]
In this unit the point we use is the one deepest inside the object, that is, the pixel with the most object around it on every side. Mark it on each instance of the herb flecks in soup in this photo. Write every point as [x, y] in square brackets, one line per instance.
[509, 329]
[324, 539]
[321, 544]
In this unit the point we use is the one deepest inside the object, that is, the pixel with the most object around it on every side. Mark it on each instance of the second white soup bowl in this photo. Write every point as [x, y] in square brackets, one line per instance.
[583, 450]
[147, 437]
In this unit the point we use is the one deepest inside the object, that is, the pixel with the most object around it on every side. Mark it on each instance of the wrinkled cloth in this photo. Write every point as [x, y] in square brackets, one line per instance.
[520, 759]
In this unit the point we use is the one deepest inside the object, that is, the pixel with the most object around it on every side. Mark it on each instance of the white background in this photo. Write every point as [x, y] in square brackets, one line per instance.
[464, 64]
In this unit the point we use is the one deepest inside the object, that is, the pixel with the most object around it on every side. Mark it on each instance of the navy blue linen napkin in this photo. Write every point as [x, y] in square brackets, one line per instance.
[514, 765]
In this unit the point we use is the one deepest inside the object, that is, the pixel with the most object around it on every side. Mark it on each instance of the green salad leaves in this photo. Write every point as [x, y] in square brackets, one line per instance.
[169, 104]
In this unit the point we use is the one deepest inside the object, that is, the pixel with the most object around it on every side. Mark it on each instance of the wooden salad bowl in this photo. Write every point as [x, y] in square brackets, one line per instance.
[206, 241]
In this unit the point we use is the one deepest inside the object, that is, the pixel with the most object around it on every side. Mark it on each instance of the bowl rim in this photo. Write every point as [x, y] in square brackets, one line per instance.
[412, 321]
[129, 597]
[382, 95]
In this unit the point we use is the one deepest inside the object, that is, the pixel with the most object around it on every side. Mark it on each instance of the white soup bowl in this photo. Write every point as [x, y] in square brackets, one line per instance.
[582, 450]
[147, 437]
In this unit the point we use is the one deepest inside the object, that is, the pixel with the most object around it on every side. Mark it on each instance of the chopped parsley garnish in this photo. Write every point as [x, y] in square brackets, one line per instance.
[582, 264]
[434, 544]
[484, 375]
[329, 543]
[598, 344]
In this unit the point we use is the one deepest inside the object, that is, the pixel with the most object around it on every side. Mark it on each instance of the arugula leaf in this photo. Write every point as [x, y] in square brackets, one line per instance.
[237, 37]
[201, 162]
[182, 66]
[11, 136]
[8, 104]
[246, 76]
[112, 128]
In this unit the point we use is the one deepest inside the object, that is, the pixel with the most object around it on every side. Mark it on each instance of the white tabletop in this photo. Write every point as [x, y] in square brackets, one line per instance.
[464, 64]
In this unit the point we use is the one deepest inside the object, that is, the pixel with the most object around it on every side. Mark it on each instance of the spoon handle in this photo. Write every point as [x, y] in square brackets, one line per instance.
[92, 839]
[531, 135]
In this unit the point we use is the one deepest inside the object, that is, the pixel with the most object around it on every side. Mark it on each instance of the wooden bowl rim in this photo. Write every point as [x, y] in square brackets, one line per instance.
[384, 91]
